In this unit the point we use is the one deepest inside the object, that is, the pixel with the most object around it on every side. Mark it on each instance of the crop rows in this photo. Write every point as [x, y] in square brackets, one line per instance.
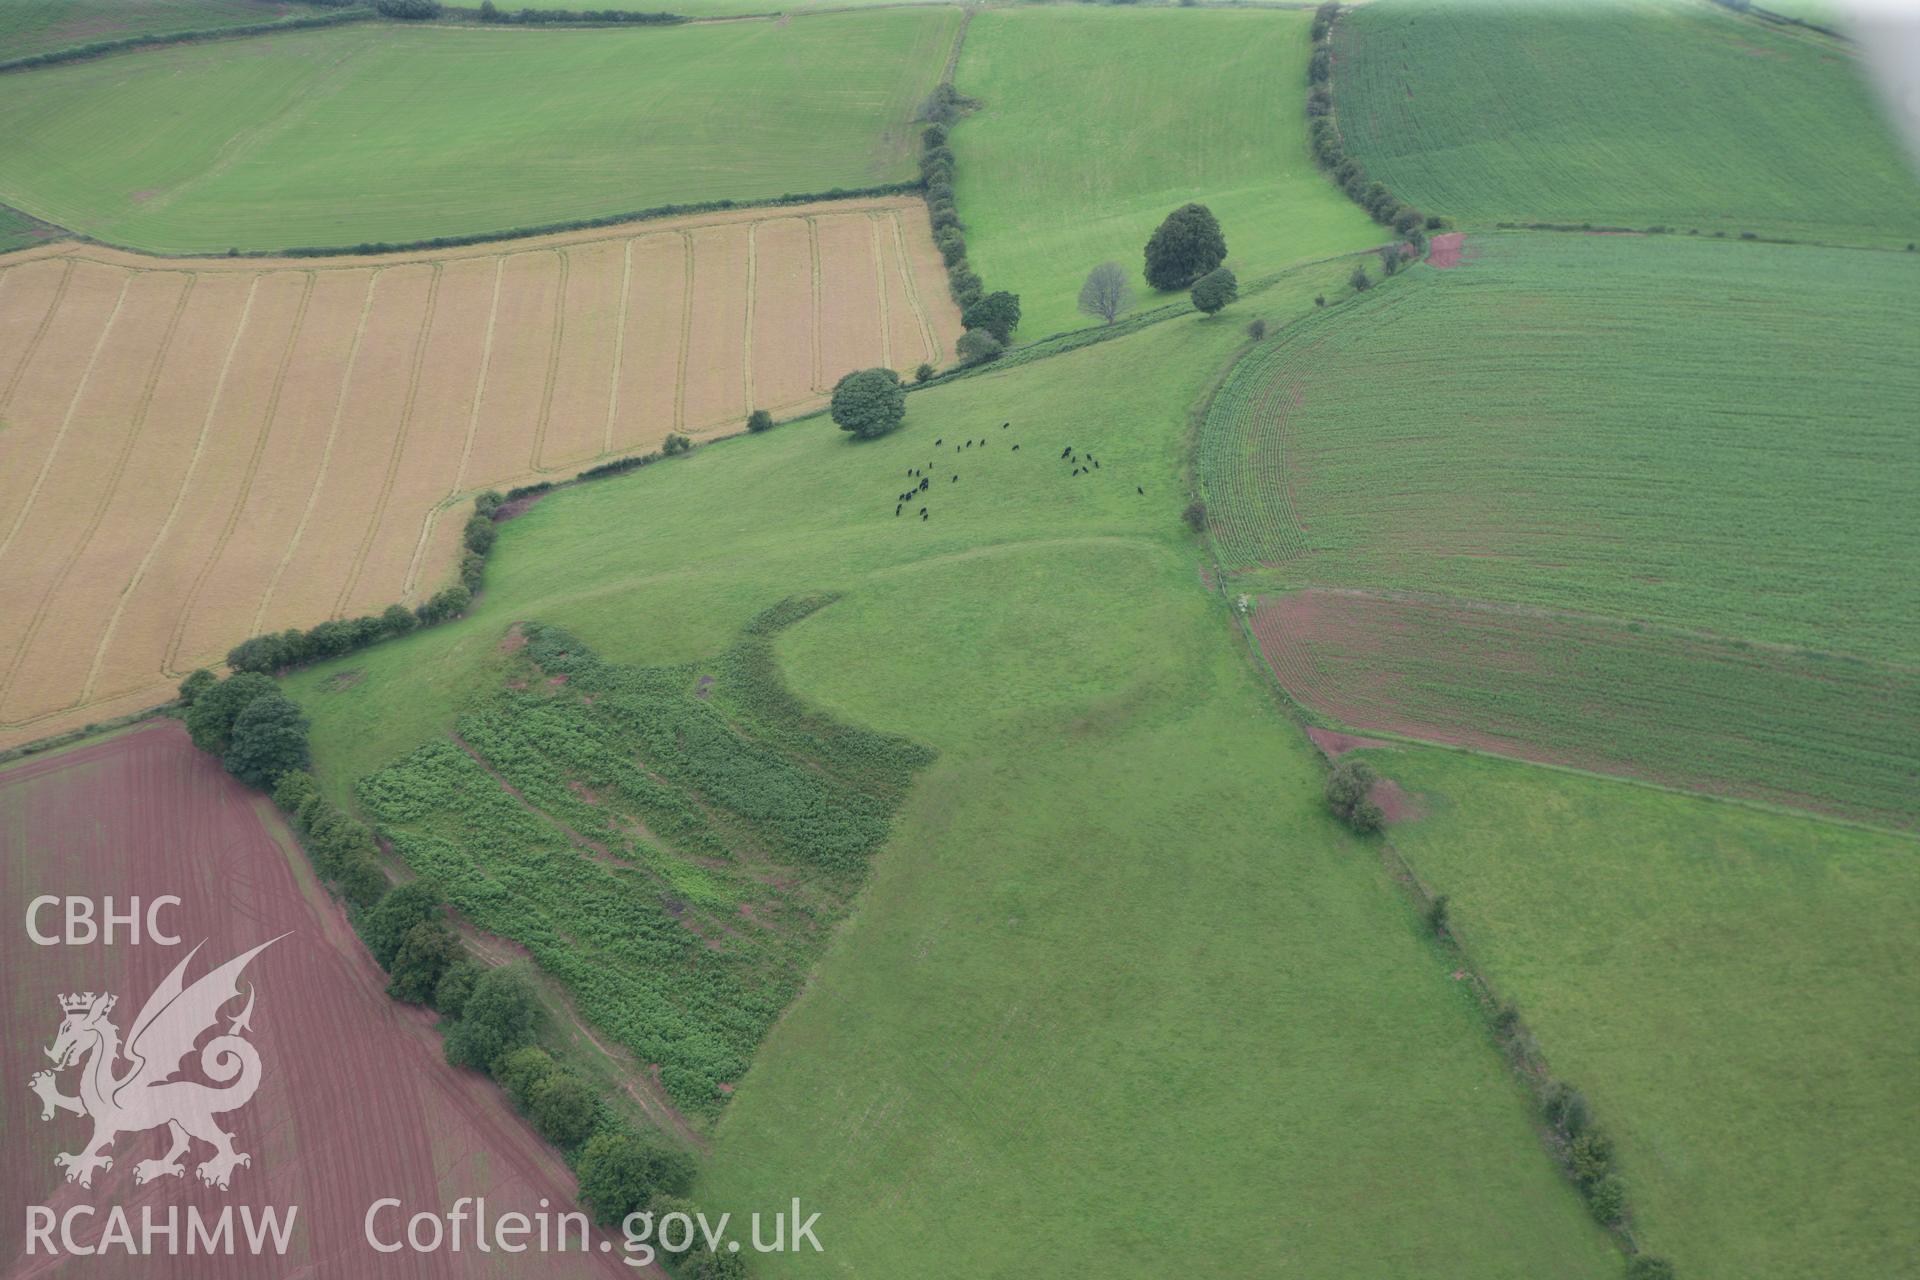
[1620, 115]
[1729, 718]
[1701, 435]
[202, 451]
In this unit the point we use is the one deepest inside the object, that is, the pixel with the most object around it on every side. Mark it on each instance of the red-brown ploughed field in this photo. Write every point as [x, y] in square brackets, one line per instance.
[355, 1103]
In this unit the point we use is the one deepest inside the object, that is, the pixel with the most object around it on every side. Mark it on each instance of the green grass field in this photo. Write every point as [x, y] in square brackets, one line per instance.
[1098, 122]
[1733, 990]
[1696, 436]
[383, 132]
[1115, 944]
[729, 8]
[28, 27]
[1629, 114]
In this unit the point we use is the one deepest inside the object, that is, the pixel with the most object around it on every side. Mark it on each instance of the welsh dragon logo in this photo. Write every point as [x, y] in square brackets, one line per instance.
[144, 1096]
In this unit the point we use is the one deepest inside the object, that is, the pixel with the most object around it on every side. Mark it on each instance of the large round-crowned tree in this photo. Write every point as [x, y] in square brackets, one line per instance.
[1185, 247]
[869, 402]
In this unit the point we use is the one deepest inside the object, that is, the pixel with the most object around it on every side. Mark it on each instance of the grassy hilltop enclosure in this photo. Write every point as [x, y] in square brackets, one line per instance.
[29, 27]
[385, 132]
[1057, 990]
[1676, 448]
[1097, 122]
[260, 447]
[1635, 113]
[1733, 990]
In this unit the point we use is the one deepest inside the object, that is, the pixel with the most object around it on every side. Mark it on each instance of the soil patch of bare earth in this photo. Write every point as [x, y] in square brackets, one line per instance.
[201, 450]
[1725, 717]
[355, 1102]
[1443, 251]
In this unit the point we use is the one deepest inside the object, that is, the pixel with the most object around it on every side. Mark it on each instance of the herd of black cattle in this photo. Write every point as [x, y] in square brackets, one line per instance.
[1083, 464]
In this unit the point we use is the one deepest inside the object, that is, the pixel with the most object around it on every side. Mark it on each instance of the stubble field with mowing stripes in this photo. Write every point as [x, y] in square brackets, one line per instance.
[193, 452]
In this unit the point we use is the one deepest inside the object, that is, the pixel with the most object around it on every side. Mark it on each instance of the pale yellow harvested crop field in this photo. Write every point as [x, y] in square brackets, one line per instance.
[195, 451]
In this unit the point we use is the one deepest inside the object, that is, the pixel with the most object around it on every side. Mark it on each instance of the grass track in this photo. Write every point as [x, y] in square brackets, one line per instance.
[381, 132]
[1632, 113]
[1053, 994]
[1098, 122]
[1734, 991]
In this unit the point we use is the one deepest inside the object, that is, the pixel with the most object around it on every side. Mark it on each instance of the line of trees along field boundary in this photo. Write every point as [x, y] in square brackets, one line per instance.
[489, 1016]
[1330, 149]
[1579, 1146]
[103, 48]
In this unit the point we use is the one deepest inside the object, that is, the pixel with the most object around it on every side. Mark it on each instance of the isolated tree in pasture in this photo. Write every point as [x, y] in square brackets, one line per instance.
[759, 420]
[997, 312]
[1215, 290]
[210, 718]
[620, 1173]
[1106, 293]
[1392, 258]
[1185, 247]
[269, 738]
[869, 403]
[1360, 281]
[500, 1016]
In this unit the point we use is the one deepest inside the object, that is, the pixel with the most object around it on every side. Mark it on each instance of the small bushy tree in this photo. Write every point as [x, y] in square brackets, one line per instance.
[977, 346]
[563, 1108]
[620, 1173]
[386, 927]
[211, 717]
[1359, 280]
[424, 954]
[1196, 516]
[269, 739]
[196, 684]
[520, 1070]
[1608, 1199]
[1187, 245]
[456, 984]
[1349, 790]
[997, 312]
[759, 420]
[1215, 290]
[676, 444]
[1645, 1266]
[869, 403]
[500, 1016]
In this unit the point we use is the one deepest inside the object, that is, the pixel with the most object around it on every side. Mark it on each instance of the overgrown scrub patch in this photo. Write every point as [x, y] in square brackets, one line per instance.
[673, 844]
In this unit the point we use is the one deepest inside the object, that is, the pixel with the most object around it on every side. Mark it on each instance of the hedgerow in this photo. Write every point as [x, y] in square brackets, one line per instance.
[101, 48]
[1323, 132]
[489, 12]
